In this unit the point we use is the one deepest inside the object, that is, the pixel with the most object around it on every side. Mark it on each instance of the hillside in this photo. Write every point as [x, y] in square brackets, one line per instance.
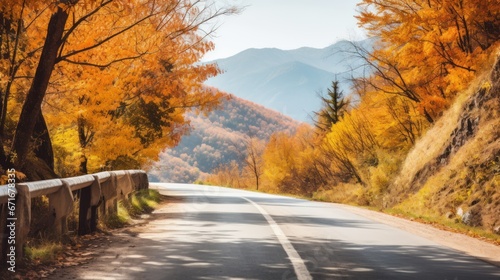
[217, 139]
[288, 81]
[450, 175]
[454, 169]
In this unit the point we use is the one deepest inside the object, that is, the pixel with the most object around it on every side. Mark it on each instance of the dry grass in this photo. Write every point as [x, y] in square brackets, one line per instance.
[342, 193]
[431, 144]
[453, 225]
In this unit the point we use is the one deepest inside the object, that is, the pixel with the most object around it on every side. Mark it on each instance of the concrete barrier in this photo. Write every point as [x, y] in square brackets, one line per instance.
[79, 182]
[4, 194]
[124, 183]
[109, 194]
[82, 185]
[27, 191]
[139, 179]
[103, 188]
[96, 199]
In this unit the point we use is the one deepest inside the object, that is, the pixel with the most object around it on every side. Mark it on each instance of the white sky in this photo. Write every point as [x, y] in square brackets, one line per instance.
[285, 24]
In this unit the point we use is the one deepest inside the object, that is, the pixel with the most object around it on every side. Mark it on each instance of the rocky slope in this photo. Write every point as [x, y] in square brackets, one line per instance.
[454, 170]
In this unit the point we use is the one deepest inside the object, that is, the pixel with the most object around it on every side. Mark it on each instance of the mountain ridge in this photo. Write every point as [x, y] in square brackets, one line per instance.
[264, 76]
[218, 139]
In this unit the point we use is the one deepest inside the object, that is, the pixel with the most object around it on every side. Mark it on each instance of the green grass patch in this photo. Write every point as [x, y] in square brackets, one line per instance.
[119, 219]
[144, 201]
[45, 252]
[141, 202]
[200, 182]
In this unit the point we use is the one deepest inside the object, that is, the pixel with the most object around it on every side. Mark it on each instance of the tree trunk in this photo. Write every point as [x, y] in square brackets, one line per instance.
[83, 144]
[257, 181]
[44, 149]
[83, 164]
[32, 105]
[3, 156]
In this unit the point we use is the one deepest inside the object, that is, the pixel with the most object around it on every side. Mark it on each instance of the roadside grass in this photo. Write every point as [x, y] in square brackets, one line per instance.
[453, 225]
[39, 248]
[43, 252]
[141, 202]
[352, 194]
[116, 220]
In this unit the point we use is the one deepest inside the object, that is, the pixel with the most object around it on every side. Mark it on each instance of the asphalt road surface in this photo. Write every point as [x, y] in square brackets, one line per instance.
[219, 233]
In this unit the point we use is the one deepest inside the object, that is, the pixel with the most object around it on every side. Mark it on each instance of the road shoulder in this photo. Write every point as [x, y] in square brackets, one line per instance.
[471, 246]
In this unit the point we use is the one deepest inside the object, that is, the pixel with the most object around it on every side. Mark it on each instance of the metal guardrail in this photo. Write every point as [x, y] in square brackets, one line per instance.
[100, 190]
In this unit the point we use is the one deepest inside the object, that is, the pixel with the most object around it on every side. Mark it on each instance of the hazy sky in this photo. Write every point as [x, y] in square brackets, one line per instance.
[285, 24]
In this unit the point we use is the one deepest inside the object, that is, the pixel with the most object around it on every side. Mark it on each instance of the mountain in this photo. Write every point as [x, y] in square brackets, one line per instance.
[217, 139]
[288, 81]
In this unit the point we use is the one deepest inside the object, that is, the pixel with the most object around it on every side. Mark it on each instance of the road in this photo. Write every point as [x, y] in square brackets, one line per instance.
[219, 233]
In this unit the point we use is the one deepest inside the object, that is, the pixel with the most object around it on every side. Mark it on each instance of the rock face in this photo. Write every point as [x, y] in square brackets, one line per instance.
[496, 230]
[472, 217]
[465, 130]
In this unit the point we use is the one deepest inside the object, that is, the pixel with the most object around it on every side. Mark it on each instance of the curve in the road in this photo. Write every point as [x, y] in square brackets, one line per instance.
[298, 264]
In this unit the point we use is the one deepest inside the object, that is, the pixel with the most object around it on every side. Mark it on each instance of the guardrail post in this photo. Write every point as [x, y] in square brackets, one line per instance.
[90, 191]
[61, 205]
[23, 215]
[124, 184]
[144, 182]
[139, 179]
[83, 217]
[3, 232]
[95, 198]
[109, 193]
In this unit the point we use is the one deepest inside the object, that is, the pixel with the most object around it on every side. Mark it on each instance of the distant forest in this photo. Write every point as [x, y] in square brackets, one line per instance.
[218, 139]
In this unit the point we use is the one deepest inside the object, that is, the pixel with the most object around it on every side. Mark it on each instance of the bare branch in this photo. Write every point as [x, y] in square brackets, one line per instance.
[102, 66]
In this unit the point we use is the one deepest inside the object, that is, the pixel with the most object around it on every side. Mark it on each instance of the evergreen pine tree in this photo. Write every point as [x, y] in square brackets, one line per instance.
[334, 106]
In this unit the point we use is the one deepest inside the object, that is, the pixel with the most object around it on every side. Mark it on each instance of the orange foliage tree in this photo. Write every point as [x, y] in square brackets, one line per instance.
[128, 63]
[428, 50]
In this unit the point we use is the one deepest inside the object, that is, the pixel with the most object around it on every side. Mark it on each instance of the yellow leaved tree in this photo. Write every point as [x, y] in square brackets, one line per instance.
[428, 50]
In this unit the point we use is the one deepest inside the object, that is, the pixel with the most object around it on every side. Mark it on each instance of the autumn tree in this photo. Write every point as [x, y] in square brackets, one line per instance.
[253, 159]
[350, 145]
[404, 124]
[279, 161]
[89, 40]
[289, 162]
[428, 50]
[249, 150]
[227, 175]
